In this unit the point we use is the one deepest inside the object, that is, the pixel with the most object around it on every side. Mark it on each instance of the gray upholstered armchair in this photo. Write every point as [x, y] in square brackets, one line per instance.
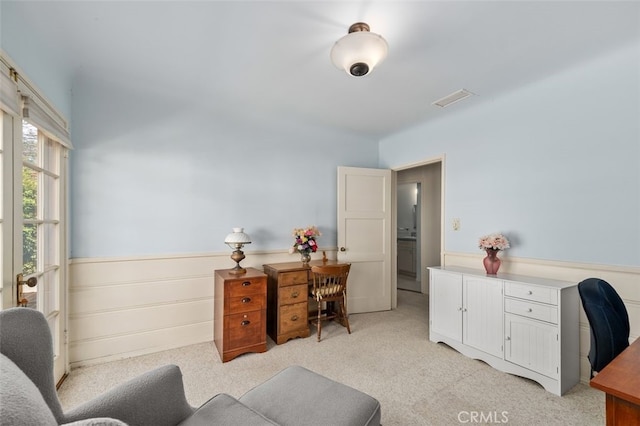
[28, 394]
[156, 397]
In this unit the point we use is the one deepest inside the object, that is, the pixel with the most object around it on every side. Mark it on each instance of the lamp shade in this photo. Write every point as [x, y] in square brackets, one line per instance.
[237, 237]
[360, 51]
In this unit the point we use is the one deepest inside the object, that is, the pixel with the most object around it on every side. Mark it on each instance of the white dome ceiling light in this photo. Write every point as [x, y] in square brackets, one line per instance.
[359, 51]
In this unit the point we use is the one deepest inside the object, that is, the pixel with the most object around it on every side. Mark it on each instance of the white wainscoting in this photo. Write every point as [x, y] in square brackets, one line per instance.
[626, 281]
[124, 307]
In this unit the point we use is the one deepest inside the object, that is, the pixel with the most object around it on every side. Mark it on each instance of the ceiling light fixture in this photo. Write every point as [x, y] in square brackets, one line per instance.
[359, 51]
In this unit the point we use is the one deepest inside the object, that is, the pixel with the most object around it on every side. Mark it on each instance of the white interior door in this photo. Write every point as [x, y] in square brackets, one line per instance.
[364, 236]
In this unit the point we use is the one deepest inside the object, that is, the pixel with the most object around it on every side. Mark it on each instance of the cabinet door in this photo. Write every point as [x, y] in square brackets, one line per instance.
[445, 304]
[406, 258]
[532, 344]
[483, 314]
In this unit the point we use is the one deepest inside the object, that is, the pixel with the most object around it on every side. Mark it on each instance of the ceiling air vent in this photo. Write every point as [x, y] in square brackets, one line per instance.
[453, 98]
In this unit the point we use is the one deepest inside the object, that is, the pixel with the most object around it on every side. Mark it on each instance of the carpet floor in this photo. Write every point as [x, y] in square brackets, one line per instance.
[388, 355]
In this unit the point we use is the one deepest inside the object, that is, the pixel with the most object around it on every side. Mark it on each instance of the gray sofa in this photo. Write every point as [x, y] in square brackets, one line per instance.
[294, 396]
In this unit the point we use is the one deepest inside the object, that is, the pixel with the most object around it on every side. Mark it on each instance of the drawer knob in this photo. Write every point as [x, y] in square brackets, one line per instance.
[529, 292]
[246, 283]
[529, 310]
[245, 322]
[295, 294]
[508, 338]
[246, 300]
[294, 318]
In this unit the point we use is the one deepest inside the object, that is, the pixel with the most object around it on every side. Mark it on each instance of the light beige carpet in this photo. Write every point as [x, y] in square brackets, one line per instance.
[388, 355]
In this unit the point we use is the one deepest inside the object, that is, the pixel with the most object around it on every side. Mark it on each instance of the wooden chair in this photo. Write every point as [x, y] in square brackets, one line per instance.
[330, 286]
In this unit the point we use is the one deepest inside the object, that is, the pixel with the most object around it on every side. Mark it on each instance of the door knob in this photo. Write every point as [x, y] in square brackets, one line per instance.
[343, 249]
[31, 282]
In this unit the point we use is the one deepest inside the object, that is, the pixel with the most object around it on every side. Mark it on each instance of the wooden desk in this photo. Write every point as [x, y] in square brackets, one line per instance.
[288, 299]
[620, 379]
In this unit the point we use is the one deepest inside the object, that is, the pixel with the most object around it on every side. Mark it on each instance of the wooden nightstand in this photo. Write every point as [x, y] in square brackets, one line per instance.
[240, 313]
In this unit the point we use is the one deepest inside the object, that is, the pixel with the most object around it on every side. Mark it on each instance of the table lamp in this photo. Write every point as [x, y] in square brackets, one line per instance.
[236, 240]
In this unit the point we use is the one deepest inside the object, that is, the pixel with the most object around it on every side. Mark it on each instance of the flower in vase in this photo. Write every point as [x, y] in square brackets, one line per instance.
[493, 242]
[305, 240]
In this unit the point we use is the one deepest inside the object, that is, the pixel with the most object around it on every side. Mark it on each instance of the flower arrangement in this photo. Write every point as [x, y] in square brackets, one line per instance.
[305, 240]
[493, 242]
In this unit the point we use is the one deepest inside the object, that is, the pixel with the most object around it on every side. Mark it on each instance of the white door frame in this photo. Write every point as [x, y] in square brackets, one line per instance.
[394, 219]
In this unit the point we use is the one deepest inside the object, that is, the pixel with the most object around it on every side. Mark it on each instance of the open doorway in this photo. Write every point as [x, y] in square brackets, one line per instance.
[408, 235]
[419, 224]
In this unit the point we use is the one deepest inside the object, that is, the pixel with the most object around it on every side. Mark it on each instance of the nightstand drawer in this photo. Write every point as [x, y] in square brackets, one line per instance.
[251, 302]
[537, 311]
[531, 292]
[293, 278]
[244, 329]
[293, 317]
[239, 288]
[293, 294]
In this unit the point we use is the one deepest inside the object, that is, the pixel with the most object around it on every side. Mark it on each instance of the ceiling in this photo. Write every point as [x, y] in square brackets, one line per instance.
[271, 59]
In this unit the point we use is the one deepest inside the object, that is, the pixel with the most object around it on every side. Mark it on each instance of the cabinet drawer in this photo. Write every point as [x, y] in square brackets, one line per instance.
[531, 292]
[531, 310]
[251, 302]
[293, 317]
[239, 288]
[244, 329]
[292, 294]
[293, 278]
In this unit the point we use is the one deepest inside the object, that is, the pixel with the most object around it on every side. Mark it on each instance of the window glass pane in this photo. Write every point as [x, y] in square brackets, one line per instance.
[47, 283]
[51, 160]
[29, 193]
[30, 143]
[29, 249]
[2, 201]
[50, 248]
[50, 194]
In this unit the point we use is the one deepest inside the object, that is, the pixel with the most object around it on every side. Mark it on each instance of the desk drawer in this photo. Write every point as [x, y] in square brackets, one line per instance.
[531, 310]
[239, 288]
[292, 294]
[531, 292]
[251, 302]
[293, 278]
[244, 329]
[293, 317]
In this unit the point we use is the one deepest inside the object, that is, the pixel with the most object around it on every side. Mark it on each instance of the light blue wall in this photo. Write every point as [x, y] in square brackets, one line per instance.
[554, 165]
[152, 177]
[33, 54]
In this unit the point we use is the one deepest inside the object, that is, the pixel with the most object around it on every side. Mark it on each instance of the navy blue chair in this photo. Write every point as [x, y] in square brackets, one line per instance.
[608, 321]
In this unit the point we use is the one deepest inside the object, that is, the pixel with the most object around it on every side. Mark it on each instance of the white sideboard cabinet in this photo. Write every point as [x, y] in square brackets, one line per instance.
[527, 326]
